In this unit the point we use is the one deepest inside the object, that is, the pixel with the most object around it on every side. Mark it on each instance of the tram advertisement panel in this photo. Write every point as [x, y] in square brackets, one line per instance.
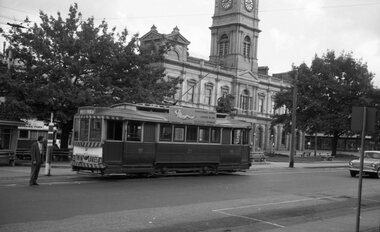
[191, 116]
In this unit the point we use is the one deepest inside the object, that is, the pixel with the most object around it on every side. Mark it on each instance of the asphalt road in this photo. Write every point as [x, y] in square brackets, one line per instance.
[299, 199]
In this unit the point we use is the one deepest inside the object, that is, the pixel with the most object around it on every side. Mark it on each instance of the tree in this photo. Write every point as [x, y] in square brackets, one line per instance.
[326, 93]
[62, 64]
[225, 104]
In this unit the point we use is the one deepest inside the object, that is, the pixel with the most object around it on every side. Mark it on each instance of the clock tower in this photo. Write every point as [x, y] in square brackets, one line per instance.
[234, 34]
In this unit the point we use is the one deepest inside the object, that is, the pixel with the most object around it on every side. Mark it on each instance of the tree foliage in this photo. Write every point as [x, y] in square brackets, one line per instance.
[62, 64]
[327, 90]
[225, 104]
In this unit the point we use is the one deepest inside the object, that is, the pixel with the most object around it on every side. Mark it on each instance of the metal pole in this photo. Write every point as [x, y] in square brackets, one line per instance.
[49, 148]
[294, 119]
[361, 170]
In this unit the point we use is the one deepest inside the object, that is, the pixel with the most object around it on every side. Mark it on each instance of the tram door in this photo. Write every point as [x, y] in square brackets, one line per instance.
[113, 146]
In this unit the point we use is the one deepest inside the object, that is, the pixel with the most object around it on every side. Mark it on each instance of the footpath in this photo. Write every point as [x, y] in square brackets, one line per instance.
[22, 169]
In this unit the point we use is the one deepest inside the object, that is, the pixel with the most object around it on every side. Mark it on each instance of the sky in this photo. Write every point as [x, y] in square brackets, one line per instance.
[293, 31]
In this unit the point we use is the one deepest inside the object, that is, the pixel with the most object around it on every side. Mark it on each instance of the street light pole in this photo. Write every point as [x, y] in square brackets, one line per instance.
[294, 119]
[362, 144]
[49, 148]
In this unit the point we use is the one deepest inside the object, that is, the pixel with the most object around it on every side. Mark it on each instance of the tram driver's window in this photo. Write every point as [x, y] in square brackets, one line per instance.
[191, 134]
[203, 134]
[166, 132]
[76, 129]
[95, 129]
[215, 135]
[134, 131]
[179, 133]
[236, 136]
[114, 130]
[83, 134]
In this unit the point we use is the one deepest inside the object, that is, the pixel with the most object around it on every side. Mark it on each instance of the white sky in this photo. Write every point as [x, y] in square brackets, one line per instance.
[293, 31]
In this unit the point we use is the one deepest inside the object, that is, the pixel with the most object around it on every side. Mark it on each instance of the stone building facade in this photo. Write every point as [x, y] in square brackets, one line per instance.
[232, 68]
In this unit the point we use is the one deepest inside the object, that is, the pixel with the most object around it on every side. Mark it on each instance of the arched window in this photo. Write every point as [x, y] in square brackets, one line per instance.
[259, 139]
[246, 46]
[261, 105]
[244, 100]
[283, 138]
[224, 45]
[224, 90]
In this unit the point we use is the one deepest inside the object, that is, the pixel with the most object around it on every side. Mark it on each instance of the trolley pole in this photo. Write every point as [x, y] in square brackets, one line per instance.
[294, 121]
[49, 148]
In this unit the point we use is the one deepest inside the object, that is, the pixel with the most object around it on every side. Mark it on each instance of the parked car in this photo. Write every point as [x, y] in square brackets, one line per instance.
[371, 164]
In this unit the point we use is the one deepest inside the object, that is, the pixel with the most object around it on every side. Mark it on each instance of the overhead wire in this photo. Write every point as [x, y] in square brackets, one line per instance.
[200, 14]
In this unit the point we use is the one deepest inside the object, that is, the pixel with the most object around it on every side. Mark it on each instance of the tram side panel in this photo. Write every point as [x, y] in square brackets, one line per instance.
[186, 155]
[113, 155]
[139, 157]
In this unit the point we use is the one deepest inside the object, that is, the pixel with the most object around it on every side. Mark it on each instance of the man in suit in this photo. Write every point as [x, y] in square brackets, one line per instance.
[36, 156]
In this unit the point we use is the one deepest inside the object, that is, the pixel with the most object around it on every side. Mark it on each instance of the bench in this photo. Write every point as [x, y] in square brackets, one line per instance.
[257, 157]
[23, 154]
[326, 156]
[57, 155]
[61, 154]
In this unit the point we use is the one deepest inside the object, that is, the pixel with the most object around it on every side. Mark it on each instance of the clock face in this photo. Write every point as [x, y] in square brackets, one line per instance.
[226, 4]
[248, 4]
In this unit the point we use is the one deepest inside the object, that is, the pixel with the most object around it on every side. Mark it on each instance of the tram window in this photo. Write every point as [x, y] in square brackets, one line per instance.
[203, 134]
[237, 136]
[166, 132]
[76, 129]
[245, 137]
[114, 130]
[179, 133]
[95, 129]
[149, 132]
[215, 135]
[191, 134]
[83, 133]
[226, 136]
[134, 131]
[23, 134]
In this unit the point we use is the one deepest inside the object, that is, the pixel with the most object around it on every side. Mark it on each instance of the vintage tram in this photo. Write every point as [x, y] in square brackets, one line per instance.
[141, 138]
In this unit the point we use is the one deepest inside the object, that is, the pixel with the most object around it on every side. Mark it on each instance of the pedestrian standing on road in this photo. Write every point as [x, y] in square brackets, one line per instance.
[36, 156]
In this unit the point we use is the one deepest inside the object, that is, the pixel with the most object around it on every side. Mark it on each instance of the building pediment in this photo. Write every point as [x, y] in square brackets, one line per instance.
[175, 36]
[178, 38]
[151, 35]
[248, 75]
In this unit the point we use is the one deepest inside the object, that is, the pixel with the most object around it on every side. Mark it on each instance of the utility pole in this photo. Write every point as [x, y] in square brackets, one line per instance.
[294, 119]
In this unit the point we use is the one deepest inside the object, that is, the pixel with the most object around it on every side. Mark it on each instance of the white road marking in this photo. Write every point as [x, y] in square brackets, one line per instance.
[366, 199]
[249, 218]
[222, 211]
[253, 173]
[275, 203]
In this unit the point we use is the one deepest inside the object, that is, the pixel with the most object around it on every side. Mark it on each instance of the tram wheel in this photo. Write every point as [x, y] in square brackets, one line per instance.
[206, 170]
[164, 171]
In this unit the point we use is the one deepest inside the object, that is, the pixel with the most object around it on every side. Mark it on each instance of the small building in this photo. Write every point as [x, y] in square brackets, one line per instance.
[8, 140]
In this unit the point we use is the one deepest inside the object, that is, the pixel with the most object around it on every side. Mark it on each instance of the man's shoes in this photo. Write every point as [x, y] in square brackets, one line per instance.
[33, 184]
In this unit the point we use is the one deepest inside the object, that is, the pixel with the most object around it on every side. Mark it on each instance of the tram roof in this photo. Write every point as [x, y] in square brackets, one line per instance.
[163, 117]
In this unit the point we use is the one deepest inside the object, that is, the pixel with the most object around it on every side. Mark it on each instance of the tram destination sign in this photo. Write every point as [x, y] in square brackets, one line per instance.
[191, 116]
